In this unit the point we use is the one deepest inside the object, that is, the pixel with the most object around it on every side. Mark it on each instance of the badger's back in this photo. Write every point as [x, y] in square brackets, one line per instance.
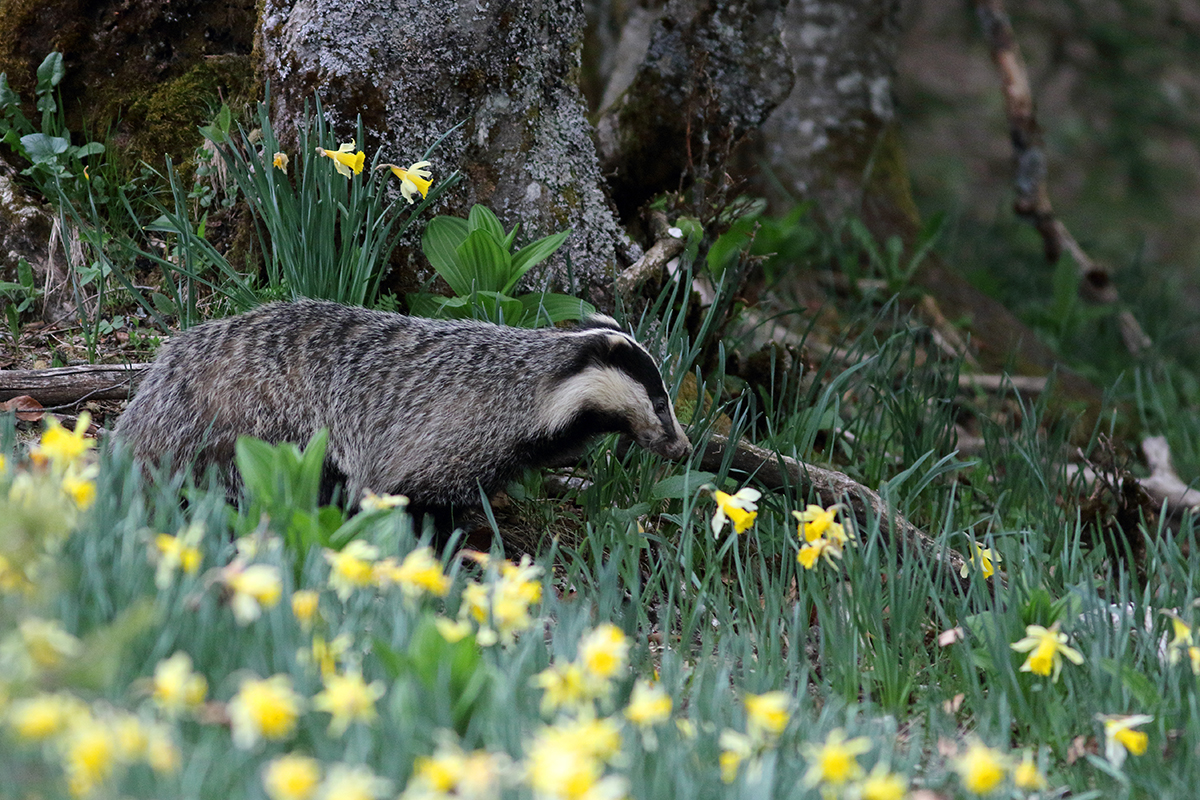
[432, 409]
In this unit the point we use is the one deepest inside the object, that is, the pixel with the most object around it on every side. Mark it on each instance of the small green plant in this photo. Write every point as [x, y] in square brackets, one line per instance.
[21, 296]
[283, 483]
[889, 262]
[474, 256]
[53, 159]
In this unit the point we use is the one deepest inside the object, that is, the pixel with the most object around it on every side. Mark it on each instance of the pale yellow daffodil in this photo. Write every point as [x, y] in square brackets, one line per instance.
[345, 159]
[1046, 648]
[413, 179]
[740, 508]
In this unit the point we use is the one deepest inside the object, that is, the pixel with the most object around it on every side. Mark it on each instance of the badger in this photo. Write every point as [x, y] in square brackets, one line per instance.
[430, 409]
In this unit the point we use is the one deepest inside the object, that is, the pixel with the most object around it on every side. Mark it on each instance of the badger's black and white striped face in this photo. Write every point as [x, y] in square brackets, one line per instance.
[615, 379]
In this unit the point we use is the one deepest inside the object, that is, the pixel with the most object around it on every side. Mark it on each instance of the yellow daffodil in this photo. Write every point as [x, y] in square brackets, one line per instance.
[883, 784]
[61, 447]
[173, 553]
[985, 560]
[176, 687]
[44, 716]
[79, 484]
[603, 652]
[1120, 738]
[130, 735]
[740, 508]
[766, 714]
[1182, 643]
[736, 748]
[648, 705]
[1046, 648]
[327, 655]
[413, 179]
[381, 502]
[1026, 775]
[304, 606]
[47, 644]
[812, 552]
[834, 762]
[345, 160]
[452, 630]
[89, 756]
[348, 698]
[352, 567]
[419, 573]
[253, 588]
[346, 782]
[280, 162]
[266, 709]
[816, 522]
[564, 686]
[504, 602]
[162, 754]
[567, 761]
[452, 773]
[980, 768]
[291, 777]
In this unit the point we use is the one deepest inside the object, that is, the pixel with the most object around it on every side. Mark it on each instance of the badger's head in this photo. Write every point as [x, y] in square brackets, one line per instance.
[614, 383]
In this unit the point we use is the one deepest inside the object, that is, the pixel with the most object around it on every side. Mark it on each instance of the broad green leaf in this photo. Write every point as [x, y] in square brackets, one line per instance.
[532, 254]
[484, 261]
[40, 148]
[512, 237]
[164, 304]
[89, 149]
[7, 96]
[481, 218]
[681, 486]
[225, 118]
[547, 308]
[25, 274]
[256, 461]
[442, 238]
[50, 72]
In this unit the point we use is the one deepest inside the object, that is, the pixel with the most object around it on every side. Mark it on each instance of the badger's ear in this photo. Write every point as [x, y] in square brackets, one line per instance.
[598, 322]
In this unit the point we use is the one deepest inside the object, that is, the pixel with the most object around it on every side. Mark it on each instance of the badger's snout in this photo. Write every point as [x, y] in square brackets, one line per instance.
[675, 448]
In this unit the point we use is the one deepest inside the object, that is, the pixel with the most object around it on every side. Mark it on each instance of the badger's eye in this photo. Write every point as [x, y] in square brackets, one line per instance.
[660, 406]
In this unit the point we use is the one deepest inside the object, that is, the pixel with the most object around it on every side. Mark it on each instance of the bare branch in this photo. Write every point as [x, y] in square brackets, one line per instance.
[1033, 197]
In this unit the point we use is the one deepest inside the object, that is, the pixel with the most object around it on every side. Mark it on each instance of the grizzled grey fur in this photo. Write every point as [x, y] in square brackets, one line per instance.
[430, 409]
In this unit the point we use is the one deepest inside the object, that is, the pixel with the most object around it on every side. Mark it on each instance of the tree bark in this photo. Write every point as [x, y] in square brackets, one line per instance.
[833, 135]
[508, 71]
[712, 71]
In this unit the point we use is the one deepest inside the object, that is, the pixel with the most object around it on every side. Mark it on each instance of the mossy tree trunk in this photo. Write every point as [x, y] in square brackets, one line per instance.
[509, 72]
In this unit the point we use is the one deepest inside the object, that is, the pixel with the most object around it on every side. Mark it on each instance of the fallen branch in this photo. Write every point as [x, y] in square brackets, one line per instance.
[776, 471]
[61, 386]
[669, 242]
[1164, 485]
[1033, 198]
[1024, 384]
[1164, 488]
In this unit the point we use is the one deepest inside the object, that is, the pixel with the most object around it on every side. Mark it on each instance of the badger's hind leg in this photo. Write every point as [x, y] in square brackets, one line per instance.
[335, 488]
